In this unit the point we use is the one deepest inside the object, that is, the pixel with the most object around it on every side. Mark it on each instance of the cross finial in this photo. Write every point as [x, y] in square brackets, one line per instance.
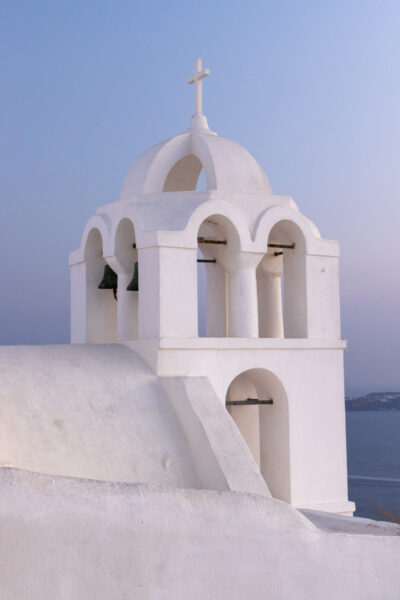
[196, 78]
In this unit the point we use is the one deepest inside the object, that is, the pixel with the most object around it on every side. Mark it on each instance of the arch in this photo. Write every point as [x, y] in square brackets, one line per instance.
[103, 225]
[100, 306]
[232, 215]
[218, 241]
[282, 272]
[184, 175]
[281, 282]
[226, 164]
[124, 246]
[124, 214]
[151, 172]
[264, 427]
[274, 215]
[125, 262]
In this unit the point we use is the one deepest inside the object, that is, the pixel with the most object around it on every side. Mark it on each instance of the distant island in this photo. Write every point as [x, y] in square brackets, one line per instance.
[374, 401]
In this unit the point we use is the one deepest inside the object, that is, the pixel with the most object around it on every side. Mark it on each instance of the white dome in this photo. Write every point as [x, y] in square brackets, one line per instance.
[175, 165]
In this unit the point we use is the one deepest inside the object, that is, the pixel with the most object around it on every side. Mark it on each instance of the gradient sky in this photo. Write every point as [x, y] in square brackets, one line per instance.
[311, 89]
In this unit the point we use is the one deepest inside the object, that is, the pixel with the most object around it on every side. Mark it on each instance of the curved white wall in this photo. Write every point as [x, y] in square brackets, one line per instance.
[94, 411]
[70, 539]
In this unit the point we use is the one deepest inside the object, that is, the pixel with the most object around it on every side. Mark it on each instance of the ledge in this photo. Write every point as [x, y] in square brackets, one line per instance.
[206, 343]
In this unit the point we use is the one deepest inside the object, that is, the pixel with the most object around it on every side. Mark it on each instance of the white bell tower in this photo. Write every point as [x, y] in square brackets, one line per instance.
[273, 351]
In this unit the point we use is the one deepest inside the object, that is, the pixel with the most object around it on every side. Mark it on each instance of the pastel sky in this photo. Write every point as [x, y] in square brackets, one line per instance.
[311, 89]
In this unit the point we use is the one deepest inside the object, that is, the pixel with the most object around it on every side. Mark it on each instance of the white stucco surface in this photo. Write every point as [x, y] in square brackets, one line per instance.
[99, 412]
[67, 538]
[209, 467]
[94, 411]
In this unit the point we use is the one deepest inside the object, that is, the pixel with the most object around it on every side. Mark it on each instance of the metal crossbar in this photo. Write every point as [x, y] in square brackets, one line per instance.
[248, 402]
[202, 240]
[287, 246]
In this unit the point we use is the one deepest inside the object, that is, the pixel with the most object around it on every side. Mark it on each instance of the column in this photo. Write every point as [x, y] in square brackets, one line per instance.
[269, 292]
[216, 301]
[243, 315]
[269, 288]
[168, 292]
[127, 309]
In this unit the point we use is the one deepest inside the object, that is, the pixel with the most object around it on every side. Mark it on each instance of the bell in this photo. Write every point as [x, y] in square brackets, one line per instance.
[134, 284]
[110, 279]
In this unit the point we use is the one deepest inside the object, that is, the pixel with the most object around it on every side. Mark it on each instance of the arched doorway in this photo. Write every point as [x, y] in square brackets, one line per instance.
[257, 402]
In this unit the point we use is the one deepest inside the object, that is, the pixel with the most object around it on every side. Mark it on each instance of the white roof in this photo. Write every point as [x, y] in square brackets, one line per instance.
[175, 165]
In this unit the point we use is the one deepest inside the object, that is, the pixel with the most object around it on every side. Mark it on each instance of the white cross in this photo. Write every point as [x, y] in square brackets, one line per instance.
[196, 78]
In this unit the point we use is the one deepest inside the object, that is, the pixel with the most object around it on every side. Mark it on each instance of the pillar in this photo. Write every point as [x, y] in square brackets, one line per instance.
[269, 291]
[243, 315]
[168, 292]
[216, 301]
[127, 309]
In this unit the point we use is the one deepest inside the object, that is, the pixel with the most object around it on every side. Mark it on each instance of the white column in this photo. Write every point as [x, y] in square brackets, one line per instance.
[168, 292]
[243, 315]
[269, 288]
[127, 309]
[216, 301]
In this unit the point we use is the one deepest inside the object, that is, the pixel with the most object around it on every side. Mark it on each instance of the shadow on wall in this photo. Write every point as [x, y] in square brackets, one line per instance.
[265, 427]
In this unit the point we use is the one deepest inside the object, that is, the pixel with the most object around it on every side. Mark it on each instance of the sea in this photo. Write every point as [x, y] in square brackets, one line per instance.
[373, 455]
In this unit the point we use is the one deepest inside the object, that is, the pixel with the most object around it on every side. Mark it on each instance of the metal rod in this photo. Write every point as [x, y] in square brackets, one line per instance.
[248, 402]
[288, 246]
[207, 260]
[278, 253]
[202, 240]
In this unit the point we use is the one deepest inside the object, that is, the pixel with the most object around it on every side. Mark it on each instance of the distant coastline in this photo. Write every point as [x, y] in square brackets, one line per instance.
[374, 401]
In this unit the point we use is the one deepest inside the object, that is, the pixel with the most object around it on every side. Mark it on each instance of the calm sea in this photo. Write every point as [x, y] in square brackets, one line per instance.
[373, 451]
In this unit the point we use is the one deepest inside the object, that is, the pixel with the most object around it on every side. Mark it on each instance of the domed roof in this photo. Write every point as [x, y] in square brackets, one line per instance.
[175, 165]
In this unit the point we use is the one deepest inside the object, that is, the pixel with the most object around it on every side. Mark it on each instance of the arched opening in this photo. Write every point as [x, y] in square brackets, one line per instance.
[257, 402]
[217, 237]
[281, 284]
[201, 185]
[184, 175]
[101, 307]
[127, 267]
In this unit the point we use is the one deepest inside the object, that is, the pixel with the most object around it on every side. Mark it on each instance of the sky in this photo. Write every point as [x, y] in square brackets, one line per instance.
[311, 89]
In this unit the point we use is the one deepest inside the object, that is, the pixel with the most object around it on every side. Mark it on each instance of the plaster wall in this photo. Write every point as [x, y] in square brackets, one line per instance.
[94, 411]
[98, 412]
[221, 457]
[323, 301]
[312, 434]
[295, 296]
[67, 538]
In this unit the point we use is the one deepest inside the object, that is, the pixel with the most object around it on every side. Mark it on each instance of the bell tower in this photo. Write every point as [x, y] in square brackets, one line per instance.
[273, 351]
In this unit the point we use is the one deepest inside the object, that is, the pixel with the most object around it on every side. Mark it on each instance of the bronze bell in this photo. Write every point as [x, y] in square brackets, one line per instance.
[134, 284]
[109, 281]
